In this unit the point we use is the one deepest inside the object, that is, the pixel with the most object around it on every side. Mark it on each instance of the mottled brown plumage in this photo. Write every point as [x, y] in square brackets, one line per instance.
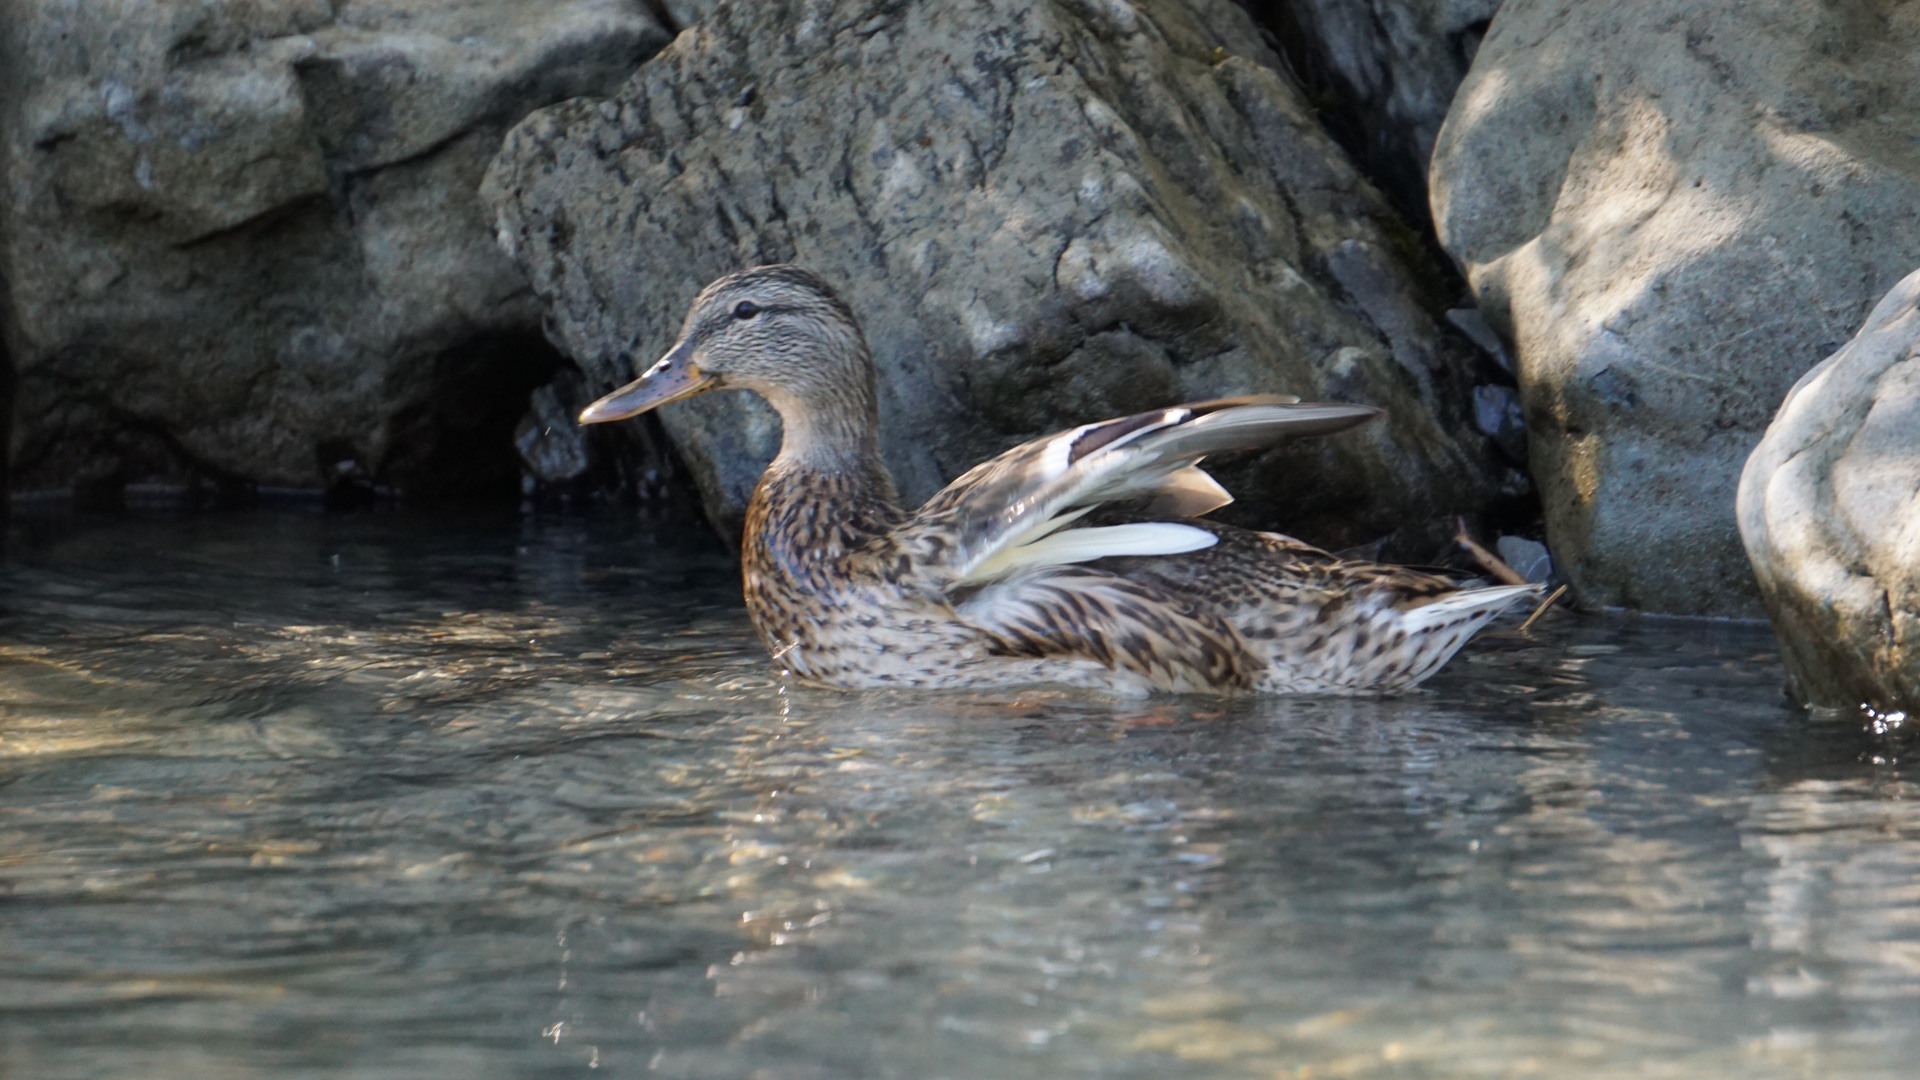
[1074, 559]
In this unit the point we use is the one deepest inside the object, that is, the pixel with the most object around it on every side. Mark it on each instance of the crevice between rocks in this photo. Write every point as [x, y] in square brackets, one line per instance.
[496, 424]
[456, 440]
[664, 15]
[1404, 184]
[1413, 242]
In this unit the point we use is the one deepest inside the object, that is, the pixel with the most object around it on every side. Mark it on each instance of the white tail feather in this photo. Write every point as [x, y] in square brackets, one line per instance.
[1465, 605]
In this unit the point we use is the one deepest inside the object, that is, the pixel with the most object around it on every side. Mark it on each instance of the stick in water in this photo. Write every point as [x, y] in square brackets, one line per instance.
[1552, 598]
[1491, 563]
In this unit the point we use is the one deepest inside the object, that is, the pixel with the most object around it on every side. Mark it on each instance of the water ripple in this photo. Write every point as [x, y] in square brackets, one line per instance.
[395, 796]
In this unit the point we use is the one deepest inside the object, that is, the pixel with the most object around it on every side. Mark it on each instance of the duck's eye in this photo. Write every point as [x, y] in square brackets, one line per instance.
[745, 309]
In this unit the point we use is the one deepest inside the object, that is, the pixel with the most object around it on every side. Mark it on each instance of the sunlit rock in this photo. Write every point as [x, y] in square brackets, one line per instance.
[1830, 512]
[1673, 211]
[1044, 212]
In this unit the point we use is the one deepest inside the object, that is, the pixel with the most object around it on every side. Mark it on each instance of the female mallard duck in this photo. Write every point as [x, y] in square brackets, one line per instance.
[997, 580]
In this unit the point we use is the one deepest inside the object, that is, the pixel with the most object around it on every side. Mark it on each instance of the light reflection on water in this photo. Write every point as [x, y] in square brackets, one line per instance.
[395, 797]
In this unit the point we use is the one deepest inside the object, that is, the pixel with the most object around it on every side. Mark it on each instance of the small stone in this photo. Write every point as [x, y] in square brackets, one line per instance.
[1529, 558]
[552, 447]
[1498, 415]
[1470, 322]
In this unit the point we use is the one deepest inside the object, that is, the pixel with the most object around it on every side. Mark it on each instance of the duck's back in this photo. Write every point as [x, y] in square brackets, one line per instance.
[1255, 612]
[1319, 624]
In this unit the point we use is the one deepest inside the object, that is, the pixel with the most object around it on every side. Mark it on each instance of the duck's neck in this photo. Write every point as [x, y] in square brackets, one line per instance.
[829, 472]
[829, 435]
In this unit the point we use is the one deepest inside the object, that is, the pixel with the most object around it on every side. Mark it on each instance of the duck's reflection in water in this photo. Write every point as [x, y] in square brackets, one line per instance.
[1552, 872]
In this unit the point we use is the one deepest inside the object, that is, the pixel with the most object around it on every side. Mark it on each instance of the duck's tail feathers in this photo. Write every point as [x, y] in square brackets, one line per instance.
[1472, 605]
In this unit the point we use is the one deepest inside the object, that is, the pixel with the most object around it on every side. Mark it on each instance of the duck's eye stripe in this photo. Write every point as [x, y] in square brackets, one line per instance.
[745, 309]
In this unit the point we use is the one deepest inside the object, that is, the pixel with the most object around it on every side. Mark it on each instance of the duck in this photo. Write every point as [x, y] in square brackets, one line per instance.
[1082, 559]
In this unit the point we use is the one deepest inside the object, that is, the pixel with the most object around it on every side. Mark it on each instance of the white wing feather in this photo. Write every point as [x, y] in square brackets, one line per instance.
[1085, 545]
[1007, 515]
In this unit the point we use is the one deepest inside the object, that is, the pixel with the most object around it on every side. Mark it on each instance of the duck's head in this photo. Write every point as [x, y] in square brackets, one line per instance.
[776, 330]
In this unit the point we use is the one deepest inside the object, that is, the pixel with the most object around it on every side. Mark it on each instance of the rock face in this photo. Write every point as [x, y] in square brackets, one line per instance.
[1045, 212]
[1392, 67]
[242, 239]
[1830, 512]
[1674, 210]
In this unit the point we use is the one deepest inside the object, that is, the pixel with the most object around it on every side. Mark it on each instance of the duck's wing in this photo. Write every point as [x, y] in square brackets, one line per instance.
[1013, 513]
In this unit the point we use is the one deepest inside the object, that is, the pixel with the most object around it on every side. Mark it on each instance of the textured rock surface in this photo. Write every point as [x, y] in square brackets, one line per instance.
[1044, 212]
[1830, 512]
[242, 239]
[1391, 68]
[1674, 210]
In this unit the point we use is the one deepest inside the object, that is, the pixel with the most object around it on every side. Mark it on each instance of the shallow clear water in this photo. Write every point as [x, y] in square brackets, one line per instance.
[397, 796]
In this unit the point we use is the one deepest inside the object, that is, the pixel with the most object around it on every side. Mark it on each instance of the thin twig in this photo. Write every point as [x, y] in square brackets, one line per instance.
[1491, 563]
[1552, 598]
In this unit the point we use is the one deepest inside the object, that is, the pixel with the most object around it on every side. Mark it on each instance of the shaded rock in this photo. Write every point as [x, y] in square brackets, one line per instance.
[1830, 512]
[1470, 322]
[1044, 213]
[1387, 70]
[552, 448]
[242, 239]
[1498, 415]
[1672, 211]
[563, 463]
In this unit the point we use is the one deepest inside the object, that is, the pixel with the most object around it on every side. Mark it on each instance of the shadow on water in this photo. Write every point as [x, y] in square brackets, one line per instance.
[409, 797]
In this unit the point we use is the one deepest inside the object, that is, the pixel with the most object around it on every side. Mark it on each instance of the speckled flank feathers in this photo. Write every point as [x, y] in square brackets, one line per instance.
[1075, 559]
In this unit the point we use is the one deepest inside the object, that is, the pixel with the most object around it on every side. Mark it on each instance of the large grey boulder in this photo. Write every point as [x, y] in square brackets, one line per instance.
[1674, 209]
[1045, 212]
[243, 239]
[1830, 513]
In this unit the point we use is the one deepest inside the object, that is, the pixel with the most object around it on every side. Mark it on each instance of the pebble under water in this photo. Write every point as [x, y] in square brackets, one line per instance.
[398, 796]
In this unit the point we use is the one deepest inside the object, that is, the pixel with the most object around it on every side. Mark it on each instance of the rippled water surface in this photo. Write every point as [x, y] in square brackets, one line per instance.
[403, 796]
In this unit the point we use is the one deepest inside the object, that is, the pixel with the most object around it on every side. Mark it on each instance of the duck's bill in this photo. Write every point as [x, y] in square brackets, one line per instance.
[673, 378]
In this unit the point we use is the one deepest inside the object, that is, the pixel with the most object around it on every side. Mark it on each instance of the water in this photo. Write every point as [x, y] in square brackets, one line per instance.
[396, 796]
